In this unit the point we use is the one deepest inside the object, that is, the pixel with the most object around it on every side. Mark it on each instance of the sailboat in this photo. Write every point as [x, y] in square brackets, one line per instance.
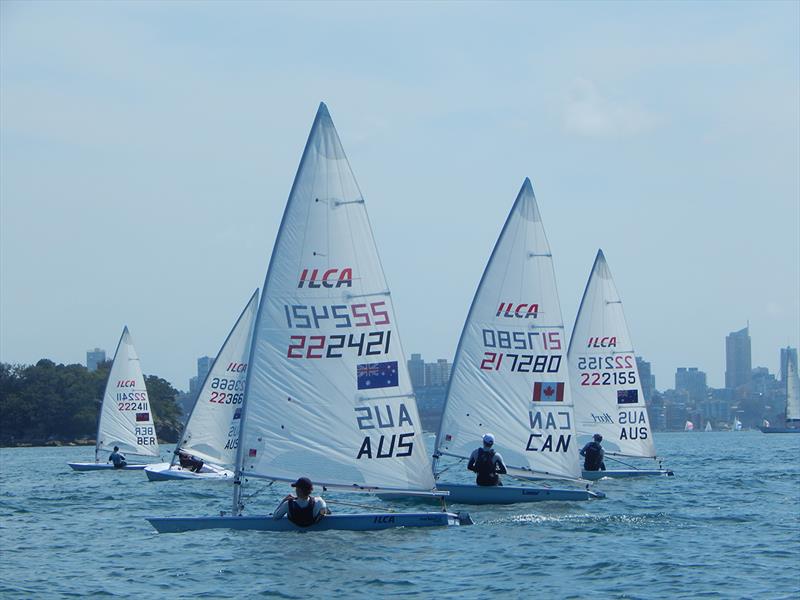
[737, 424]
[211, 433]
[708, 427]
[328, 394]
[792, 423]
[605, 379]
[689, 426]
[509, 375]
[126, 417]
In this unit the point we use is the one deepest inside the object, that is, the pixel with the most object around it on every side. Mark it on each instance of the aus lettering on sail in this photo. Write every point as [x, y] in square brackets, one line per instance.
[551, 428]
[632, 419]
[385, 426]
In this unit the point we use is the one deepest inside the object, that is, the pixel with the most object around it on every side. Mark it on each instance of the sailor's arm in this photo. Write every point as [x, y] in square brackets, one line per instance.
[499, 465]
[282, 509]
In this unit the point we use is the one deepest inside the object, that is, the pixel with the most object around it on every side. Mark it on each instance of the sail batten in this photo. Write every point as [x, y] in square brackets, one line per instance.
[509, 375]
[328, 391]
[605, 377]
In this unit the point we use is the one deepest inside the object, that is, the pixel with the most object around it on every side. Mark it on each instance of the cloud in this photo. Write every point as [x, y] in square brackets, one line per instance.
[588, 113]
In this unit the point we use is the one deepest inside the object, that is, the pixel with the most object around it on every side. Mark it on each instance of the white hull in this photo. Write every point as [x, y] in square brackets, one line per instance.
[625, 473]
[502, 494]
[354, 522]
[163, 472]
[103, 467]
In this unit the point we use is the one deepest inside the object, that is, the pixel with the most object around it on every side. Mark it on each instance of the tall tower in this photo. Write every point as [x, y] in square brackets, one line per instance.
[787, 354]
[738, 362]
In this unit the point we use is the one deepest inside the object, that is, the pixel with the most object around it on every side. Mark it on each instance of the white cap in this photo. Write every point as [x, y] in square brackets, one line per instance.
[488, 439]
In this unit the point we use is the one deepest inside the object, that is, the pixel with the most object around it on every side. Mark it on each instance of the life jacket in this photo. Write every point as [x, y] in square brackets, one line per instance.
[302, 517]
[593, 456]
[485, 468]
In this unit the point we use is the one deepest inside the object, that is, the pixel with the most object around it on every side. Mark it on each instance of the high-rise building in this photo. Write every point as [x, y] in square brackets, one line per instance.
[94, 358]
[648, 380]
[787, 354]
[438, 373]
[693, 382]
[738, 362]
[203, 367]
[416, 370]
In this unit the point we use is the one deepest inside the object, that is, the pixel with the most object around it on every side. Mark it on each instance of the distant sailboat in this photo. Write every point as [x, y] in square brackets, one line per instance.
[689, 426]
[792, 423]
[211, 433]
[606, 384]
[708, 426]
[126, 417]
[509, 374]
[328, 393]
[737, 424]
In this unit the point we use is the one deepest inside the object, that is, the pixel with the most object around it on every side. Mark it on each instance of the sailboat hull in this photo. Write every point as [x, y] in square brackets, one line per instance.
[354, 522]
[163, 472]
[103, 467]
[503, 494]
[625, 473]
[780, 429]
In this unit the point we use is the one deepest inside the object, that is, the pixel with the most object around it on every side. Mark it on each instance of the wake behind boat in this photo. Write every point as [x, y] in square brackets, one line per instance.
[609, 401]
[126, 418]
[210, 438]
[326, 361]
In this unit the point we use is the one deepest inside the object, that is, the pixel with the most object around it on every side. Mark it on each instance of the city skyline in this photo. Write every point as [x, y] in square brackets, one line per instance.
[144, 185]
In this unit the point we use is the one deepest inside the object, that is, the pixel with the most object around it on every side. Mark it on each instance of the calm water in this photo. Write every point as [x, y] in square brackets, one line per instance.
[727, 526]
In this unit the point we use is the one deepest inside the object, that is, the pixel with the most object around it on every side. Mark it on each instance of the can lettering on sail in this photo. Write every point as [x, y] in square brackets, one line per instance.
[549, 437]
[329, 278]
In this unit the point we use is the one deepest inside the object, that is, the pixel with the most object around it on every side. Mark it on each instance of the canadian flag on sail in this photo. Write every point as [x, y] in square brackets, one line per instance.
[548, 391]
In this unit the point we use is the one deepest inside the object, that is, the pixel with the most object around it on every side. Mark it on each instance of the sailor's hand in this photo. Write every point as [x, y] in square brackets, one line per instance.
[288, 497]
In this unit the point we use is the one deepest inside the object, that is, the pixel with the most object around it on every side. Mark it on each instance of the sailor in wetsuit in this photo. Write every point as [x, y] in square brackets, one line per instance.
[303, 510]
[487, 463]
[118, 458]
[593, 455]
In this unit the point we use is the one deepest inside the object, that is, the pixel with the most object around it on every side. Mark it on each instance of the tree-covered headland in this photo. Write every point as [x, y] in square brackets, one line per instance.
[50, 403]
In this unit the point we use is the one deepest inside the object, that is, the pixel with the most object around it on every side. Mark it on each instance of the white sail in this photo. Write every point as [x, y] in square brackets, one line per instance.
[792, 392]
[328, 393]
[509, 374]
[606, 385]
[212, 430]
[708, 426]
[126, 417]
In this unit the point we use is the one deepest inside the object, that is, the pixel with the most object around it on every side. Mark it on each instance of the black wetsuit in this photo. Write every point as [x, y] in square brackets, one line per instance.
[486, 467]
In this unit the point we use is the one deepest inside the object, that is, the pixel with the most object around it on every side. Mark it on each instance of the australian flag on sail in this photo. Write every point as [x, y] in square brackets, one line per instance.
[142, 417]
[377, 375]
[627, 396]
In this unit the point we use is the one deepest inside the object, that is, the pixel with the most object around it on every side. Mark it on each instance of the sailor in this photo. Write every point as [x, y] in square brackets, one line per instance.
[188, 461]
[303, 510]
[118, 458]
[487, 463]
[593, 454]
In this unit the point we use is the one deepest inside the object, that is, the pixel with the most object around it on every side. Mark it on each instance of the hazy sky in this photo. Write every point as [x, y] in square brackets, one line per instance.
[147, 151]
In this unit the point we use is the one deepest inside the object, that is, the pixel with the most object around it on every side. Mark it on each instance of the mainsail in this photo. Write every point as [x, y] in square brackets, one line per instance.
[328, 392]
[605, 379]
[126, 417]
[212, 430]
[510, 374]
[792, 393]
